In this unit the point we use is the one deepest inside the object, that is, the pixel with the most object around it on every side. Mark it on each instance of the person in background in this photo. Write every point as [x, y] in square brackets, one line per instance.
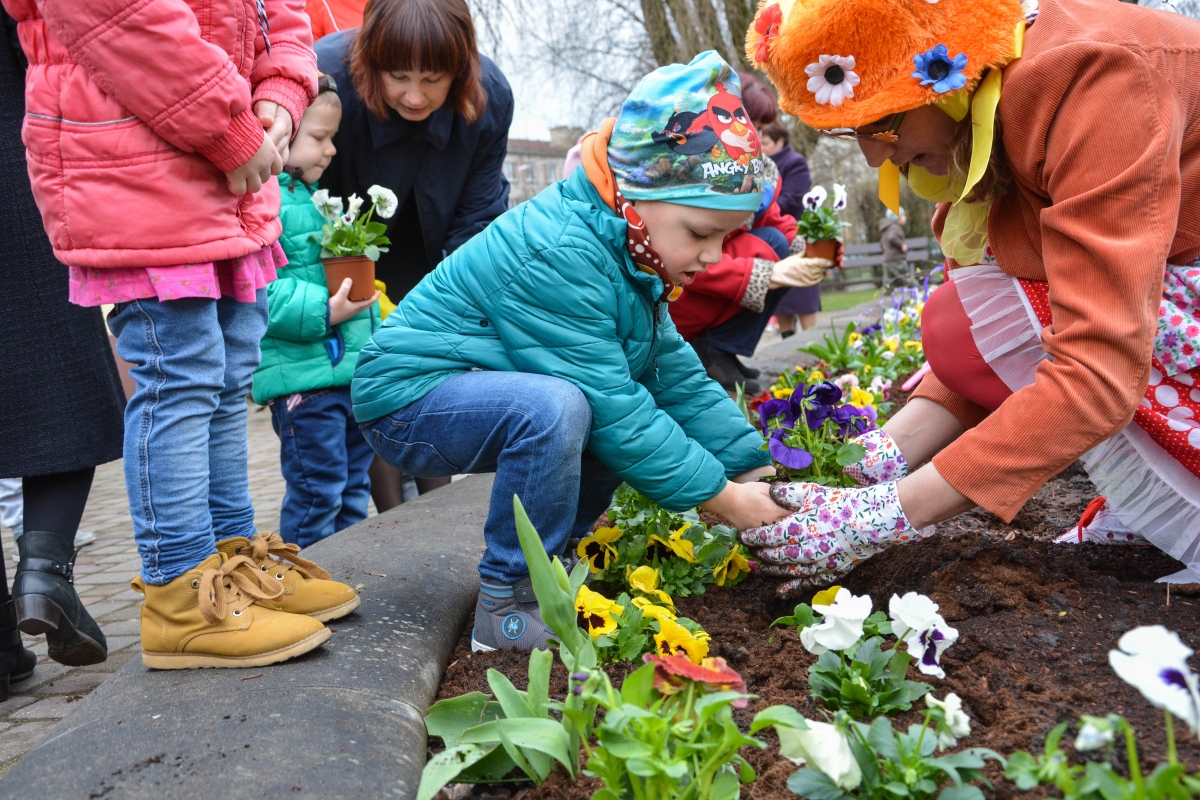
[187, 273]
[427, 116]
[795, 181]
[896, 266]
[541, 349]
[331, 16]
[310, 350]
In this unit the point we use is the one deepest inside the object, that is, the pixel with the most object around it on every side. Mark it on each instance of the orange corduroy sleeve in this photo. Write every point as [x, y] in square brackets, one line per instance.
[1098, 132]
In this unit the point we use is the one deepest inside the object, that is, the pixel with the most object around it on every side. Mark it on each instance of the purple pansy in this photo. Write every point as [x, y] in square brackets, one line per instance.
[790, 457]
[776, 407]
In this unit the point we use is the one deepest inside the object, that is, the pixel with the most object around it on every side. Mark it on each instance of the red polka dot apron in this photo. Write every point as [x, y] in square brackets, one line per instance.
[1150, 471]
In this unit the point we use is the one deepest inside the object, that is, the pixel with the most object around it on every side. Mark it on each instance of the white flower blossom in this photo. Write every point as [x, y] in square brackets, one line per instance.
[916, 622]
[832, 79]
[839, 197]
[957, 725]
[1095, 733]
[842, 626]
[815, 198]
[384, 199]
[1153, 660]
[355, 203]
[330, 207]
[823, 747]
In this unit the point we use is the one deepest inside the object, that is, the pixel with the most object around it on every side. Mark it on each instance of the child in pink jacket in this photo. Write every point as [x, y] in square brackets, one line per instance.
[153, 130]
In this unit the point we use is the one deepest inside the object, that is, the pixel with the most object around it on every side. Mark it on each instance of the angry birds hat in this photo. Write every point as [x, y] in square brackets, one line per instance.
[684, 137]
[846, 63]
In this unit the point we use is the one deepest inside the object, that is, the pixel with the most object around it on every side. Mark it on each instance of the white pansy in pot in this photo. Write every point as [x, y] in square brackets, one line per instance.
[842, 625]
[815, 198]
[839, 197]
[385, 201]
[330, 207]
[956, 724]
[915, 621]
[825, 748]
[1153, 660]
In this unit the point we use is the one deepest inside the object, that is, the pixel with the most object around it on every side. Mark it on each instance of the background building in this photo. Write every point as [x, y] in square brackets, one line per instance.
[533, 164]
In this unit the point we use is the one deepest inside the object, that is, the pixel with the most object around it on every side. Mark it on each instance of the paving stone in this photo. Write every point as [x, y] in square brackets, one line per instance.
[105, 607]
[114, 661]
[126, 627]
[74, 684]
[50, 708]
[15, 702]
[111, 577]
[20, 739]
[43, 673]
[118, 643]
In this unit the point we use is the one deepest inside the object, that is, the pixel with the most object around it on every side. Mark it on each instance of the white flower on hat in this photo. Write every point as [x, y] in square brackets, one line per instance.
[832, 79]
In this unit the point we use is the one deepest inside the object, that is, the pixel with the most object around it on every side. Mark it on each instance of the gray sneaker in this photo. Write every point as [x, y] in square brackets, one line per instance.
[508, 618]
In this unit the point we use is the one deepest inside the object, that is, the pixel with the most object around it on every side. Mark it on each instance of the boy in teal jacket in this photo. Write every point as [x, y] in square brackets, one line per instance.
[542, 349]
[308, 355]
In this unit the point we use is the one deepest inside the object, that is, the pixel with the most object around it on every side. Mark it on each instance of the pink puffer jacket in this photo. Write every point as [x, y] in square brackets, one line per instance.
[135, 109]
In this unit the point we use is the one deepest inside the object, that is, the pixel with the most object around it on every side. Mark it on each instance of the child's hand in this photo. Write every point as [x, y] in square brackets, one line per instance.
[342, 308]
[746, 505]
[251, 176]
[799, 271]
[277, 122]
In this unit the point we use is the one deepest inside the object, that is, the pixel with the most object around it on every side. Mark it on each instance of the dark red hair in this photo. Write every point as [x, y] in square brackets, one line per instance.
[757, 100]
[423, 35]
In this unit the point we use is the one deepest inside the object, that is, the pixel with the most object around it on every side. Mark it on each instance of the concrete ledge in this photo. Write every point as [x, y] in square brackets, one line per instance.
[342, 722]
[774, 358]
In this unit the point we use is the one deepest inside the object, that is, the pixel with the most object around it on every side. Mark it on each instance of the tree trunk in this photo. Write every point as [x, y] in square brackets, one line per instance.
[710, 29]
[739, 14]
[689, 33]
[658, 29]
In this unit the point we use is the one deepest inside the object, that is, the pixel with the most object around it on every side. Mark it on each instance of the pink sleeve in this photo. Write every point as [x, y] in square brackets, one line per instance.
[288, 73]
[151, 58]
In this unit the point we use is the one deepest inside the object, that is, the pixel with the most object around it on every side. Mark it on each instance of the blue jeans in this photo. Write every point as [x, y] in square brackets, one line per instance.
[531, 430]
[185, 426]
[325, 460]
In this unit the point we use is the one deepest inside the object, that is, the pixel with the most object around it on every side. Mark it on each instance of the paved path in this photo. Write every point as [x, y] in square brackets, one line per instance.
[102, 574]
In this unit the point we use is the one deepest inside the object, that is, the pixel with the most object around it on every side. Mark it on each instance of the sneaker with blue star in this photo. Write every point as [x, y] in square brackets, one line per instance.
[507, 617]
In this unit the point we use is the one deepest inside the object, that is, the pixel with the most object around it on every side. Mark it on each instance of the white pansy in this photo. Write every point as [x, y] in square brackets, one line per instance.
[916, 622]
[330, 207]
[832, 79]
[384, 199]
[842, 625]
[825, 748]
[815, 198]
[957, 723]
[1095, 733]
[839, 197]
[1153, 660]
[355, 203]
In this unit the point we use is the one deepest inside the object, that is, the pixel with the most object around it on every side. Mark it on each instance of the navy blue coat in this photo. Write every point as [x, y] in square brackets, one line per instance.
[793, 170]
[456, 169]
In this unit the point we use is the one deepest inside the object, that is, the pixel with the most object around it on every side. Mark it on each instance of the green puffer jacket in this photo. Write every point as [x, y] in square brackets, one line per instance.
[300, 352]
[549, 288]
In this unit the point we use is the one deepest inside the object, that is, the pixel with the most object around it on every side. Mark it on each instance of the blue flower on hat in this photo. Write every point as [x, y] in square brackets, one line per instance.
[936, 67]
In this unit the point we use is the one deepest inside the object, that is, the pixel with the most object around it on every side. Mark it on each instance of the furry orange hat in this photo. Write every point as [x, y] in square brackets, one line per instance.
[845, 63]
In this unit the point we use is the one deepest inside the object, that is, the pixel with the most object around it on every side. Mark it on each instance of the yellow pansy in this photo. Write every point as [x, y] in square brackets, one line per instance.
[867, 368]
[825, 597]
[730, 567]
[597, 614]
[913, 346]
[652, 611]
[815, 376]
[597, 549]
[892, 343]
[645, 579]
[782, 394]
[675, 544]
[861, 398]
[674, 639]
[855, 337]
[904, 319]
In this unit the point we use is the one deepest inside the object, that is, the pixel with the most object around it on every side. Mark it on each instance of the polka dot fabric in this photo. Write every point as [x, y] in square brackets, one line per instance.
[1170, 410]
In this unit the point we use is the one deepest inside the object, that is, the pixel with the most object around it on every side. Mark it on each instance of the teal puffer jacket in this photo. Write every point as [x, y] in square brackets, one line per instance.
[300, 352]
[549, 288]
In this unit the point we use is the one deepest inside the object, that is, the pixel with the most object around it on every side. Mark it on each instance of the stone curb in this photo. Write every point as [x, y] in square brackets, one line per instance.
[773, 359]
[341, 722]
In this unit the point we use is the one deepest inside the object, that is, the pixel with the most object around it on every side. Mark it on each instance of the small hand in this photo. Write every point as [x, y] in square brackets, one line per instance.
[251, 176]
[342, 308]
[839, 260]
[277, 122]
[746, 505]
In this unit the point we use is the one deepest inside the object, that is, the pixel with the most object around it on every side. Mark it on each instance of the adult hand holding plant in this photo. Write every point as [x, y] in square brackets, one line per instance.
[342, 308]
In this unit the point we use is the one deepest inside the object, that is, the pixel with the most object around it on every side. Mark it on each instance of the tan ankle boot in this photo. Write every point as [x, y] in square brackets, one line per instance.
[207, 617]
[307, 588]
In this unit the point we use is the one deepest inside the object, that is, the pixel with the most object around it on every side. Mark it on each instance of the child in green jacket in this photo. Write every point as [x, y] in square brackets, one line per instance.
[541, 349]
[308, 355]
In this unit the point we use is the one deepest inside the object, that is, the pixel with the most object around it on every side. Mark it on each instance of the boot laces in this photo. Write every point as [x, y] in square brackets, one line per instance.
[270, 547]
[231, 589]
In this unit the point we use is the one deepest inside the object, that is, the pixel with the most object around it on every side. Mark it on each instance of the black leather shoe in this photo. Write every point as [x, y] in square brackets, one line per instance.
[723, 368]
[16, 663]
[46, 602]
[747, 371]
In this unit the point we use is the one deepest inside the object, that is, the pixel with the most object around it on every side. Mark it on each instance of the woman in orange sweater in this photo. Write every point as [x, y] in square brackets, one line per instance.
[1063, 144]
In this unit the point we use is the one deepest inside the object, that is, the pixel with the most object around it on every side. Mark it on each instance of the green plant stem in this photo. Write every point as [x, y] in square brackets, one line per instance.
[1171, 755]
[1131, 753]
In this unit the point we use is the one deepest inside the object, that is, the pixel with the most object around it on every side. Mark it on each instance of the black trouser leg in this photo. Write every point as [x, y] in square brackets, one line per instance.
[55, 503]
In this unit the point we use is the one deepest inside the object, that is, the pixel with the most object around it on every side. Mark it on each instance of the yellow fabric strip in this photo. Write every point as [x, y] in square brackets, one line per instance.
[983, 125]
[889, 185]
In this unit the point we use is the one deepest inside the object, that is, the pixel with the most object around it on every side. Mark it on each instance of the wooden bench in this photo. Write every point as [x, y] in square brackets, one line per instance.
[862, 262]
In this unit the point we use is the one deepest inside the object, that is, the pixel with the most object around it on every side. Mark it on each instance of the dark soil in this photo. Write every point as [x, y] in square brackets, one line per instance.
[1036, 621]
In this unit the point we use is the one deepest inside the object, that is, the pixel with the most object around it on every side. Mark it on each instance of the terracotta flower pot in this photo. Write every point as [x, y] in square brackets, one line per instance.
[822, 248]
[359, 269]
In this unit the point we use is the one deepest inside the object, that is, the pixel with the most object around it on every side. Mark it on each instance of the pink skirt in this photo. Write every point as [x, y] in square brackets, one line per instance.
[239, 278]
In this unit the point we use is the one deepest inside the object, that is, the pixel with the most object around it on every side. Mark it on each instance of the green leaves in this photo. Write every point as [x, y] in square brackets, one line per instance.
[802, 617]
[869, 682]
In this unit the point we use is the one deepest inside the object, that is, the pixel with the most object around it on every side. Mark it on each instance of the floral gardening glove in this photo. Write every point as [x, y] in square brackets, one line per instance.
[832, 531]
[882, 463]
